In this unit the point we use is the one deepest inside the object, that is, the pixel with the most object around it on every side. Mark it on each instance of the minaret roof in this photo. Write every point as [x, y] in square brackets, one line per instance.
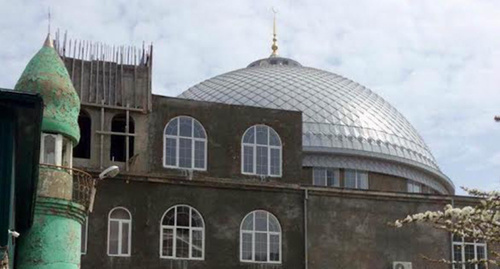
[46, 75]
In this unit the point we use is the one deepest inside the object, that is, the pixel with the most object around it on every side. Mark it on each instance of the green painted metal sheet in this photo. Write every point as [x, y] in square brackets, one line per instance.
[54, 240]
[46, 75]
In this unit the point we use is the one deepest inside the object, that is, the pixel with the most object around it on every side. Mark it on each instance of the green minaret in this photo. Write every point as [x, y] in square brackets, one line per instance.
[46, 75]
[54, 239]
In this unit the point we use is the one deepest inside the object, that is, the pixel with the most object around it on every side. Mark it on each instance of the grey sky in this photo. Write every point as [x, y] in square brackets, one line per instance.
[436, 61]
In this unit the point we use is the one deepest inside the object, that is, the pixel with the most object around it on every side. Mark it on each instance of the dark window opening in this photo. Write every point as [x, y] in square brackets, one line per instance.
[118, 151]
[82, 150]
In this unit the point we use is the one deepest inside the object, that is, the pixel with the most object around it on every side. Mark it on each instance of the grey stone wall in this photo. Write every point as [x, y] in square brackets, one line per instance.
[346, 228]
[349, 230]
[222, 207]
[225, 125]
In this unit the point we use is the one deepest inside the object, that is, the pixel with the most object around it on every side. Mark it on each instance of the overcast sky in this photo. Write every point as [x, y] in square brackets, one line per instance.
[436, 61]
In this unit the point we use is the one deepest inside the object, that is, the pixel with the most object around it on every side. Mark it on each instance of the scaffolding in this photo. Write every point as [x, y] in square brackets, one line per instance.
[109, 78]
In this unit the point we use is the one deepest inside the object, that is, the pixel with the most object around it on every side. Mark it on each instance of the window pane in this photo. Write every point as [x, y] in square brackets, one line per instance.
[332, 178]
[83, 248]
[417, 188]
[362, 180]
[260, 221]
[186, 127]
[196, 220]
[350, 179]
[248, 223]
[182, 241]
[113, 237]
[319, 178]
[249, 136]
[262, 135]
[274, 245]
[199, 154]
[273, 224]
[457, 238]
[260, 246]
[246, 247]
[125, 231]
[49, 154]
[275, 162]
[168, 242]
[119, 214]
[262, 160]
[481, 254]
[169, 219]
[410, 186]
[469, 255]
[183, 216]
[172, 127]
[185, 152]
[171, 151]
[248, 159]
[198, 130]
[197, 244]
[67, 154]
[274, 138]
[457, 254]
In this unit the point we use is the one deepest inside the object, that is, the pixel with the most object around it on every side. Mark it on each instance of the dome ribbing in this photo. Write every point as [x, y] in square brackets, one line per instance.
[339, 115]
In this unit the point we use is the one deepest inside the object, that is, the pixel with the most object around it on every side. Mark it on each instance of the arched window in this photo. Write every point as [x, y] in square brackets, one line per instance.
[185, 144]
[182, 234]
[118, 151]
[119, 232]
[260, 238]
[261, 152]
[82, 150]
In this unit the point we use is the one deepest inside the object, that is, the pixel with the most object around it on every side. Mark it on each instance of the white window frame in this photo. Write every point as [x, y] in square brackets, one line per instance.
[67, 156]
[120, 232]
[412, 185]
[254, 150]
[268, 233]
[356, 177]
[335, 171]
[190, 228]
[177, 145]
[60, 157]
[462, 243]
[57, 149]
[85, 229]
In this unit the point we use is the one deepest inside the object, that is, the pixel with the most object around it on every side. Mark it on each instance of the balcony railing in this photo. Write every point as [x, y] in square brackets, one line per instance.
[82, 184]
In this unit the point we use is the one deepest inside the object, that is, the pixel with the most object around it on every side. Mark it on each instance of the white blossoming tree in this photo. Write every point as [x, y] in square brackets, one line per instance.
[481, 222]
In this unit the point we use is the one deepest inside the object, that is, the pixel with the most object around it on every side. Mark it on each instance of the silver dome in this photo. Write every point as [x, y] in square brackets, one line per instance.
[339, 115]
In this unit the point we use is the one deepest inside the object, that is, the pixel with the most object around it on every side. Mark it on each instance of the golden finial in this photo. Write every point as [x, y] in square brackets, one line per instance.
[48, 40]
[274, 47]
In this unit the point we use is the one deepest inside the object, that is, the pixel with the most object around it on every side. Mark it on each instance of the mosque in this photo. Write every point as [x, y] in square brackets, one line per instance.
[274, 165]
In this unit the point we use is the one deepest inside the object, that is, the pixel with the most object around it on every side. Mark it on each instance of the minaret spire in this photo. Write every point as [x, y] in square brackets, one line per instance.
[274, 47]
[48, 40]
[49, 18]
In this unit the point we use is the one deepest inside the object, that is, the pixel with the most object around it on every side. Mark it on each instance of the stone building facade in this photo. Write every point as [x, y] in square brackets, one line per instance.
[318, 196]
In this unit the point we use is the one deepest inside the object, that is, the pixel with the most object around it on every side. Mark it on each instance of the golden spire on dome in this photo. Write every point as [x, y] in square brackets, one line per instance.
[48, 40]
[274, 47]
